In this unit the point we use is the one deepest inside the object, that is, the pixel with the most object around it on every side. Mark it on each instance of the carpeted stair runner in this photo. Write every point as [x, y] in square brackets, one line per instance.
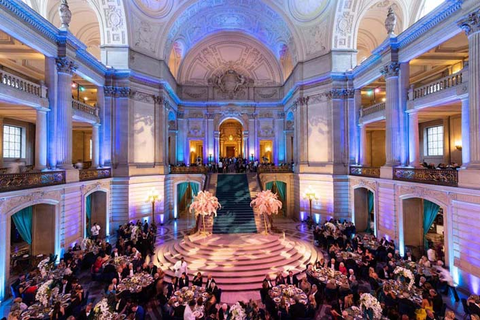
[236, 215]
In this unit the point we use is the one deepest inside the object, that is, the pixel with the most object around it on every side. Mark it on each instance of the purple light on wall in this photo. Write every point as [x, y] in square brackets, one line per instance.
[474, 284]
[162, 218]
[303, 215]
[317, 218]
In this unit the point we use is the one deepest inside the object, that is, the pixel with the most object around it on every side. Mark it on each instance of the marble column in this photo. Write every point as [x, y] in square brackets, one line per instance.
[51, 78]
[216, 146]
[41, 140]
[470, 177]
[65, 68]
[279, 147]
[363, 145]
[465, 133]
[210, 138]
[101, 133]
[354, 104]
[392, 120]
[96, 145]
[302, 140]
[181, 139]
[413, 139]
[403, 88]
[1, 143]
[252, 132]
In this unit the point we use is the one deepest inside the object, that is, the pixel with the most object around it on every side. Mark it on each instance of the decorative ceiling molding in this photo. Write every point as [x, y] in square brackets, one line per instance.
[230, 51]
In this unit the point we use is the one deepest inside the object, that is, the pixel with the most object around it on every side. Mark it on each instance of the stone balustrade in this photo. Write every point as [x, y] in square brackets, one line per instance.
[21, 84]
[373, 172]
[372, 109]
[446, 177]
[84, 107]
[28, 180]
[438, 85]
[185, 170]
[274, 169]
[94, 174]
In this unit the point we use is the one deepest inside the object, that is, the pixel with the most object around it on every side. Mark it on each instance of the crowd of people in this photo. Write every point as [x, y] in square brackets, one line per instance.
[353, 266]
[237, 165]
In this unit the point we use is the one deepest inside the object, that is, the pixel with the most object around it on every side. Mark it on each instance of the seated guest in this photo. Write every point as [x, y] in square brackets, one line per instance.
[473, 303]
[297, 310]
[183, 281]
[269, 281]
[65, 286]
[292, 279]
[210, 281]
[279, 279]
[342, 268]
[223, 312]
[188, 313]
[384, 273]
[305, 285]
[332, 264]
[87, 313]
[138, 311]
[198, 280]
[312, 307]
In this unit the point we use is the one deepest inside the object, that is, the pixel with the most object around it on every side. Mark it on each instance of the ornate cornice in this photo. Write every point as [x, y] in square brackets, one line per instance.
[142, 96]
[390, 70]
[109, 91]
[65, 65]
[302, 101]
[340, 93]
[471, 23]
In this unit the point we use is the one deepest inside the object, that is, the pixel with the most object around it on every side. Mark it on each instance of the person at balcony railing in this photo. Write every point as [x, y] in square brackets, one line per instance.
[16, 167]
[79, 164]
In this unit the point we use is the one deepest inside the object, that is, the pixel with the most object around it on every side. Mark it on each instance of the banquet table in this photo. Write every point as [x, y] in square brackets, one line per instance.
[188, 294]
[344, 256]
[325, 274]
[290, 293]
[38, 311]
[136, 283]
[400, 288]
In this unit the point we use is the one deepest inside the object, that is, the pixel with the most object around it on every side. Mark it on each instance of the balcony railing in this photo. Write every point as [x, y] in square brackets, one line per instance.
[20, 181]
[438, 85]
[18, 83]
[446, 177]
[372, 109]
[184, 170]
[81, 106]
[95, 174]
[373, 172]
[274, 169]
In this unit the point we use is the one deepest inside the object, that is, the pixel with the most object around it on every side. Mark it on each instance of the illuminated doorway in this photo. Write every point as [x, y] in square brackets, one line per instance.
[231, 139]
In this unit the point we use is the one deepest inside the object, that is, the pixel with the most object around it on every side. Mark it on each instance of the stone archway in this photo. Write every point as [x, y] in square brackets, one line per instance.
[96, 212]
[231, 142]
[364, 210]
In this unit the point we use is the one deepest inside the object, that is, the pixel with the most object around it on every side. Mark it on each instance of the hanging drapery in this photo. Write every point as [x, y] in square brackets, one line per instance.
[195, 188]
[430, 211]
[370, 199]
[88, 211]
[181, 190]
[23, 222]
[280, 188]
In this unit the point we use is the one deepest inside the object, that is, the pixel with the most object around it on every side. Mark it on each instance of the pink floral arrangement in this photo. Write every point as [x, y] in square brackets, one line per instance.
[205, 204]
[266, 203]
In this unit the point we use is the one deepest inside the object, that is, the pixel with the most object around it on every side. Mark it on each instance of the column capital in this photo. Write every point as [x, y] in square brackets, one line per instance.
[471, 23]
[390, 70]
[66, 65]
[302, 101]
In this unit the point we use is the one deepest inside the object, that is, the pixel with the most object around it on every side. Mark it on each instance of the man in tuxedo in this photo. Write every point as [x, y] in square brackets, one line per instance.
[409, 257]
[120, 304]
[332, 264]
[292, 279]
[183, 281]
[119, 274]
[385, 273]
[152, 269]
[87, 313]
[65, 286]
[210, 281]
[298, 310]
[269, 281]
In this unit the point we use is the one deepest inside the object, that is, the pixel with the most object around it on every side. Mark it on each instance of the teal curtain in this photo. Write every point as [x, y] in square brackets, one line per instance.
[430, 211]
[181, 189]
[195, 188]
[23, 223]
[370, 199]
[281, 190]
[88, 210]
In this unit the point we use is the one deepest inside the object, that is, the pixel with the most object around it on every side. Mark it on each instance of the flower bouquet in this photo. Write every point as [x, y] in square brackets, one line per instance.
[405, 273]
[371, 306]
[44, 293]
[205, 204]
[266, 203]
[237, 312]
[45, 266]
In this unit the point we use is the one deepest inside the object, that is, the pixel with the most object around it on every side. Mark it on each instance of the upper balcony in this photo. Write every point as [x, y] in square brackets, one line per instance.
[20, 90]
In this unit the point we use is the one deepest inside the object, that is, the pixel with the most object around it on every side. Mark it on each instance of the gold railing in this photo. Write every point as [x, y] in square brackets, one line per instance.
[373, 172]
[183, 170]
[81, 106]
[24, 169]
[444, 177]
[274, 169]
[438, 85]
[17, 181]
[18, 83]
[94, 174]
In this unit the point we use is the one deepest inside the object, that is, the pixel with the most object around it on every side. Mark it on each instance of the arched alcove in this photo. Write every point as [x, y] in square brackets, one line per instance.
[96, 212]
[184, 192]
[364, 210]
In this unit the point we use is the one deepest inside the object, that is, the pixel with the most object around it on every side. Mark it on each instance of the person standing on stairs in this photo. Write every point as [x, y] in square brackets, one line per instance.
[180, 267]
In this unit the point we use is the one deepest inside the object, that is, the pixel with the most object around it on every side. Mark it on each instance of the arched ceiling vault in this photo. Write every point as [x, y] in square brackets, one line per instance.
[226, 51]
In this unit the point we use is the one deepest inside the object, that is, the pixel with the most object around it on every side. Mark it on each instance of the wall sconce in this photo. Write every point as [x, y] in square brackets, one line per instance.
[230, 137]
[458, 145]
[192, 149]
[268, 149]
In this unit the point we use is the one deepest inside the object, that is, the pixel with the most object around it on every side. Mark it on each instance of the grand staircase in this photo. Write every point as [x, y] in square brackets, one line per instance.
[236, 215]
